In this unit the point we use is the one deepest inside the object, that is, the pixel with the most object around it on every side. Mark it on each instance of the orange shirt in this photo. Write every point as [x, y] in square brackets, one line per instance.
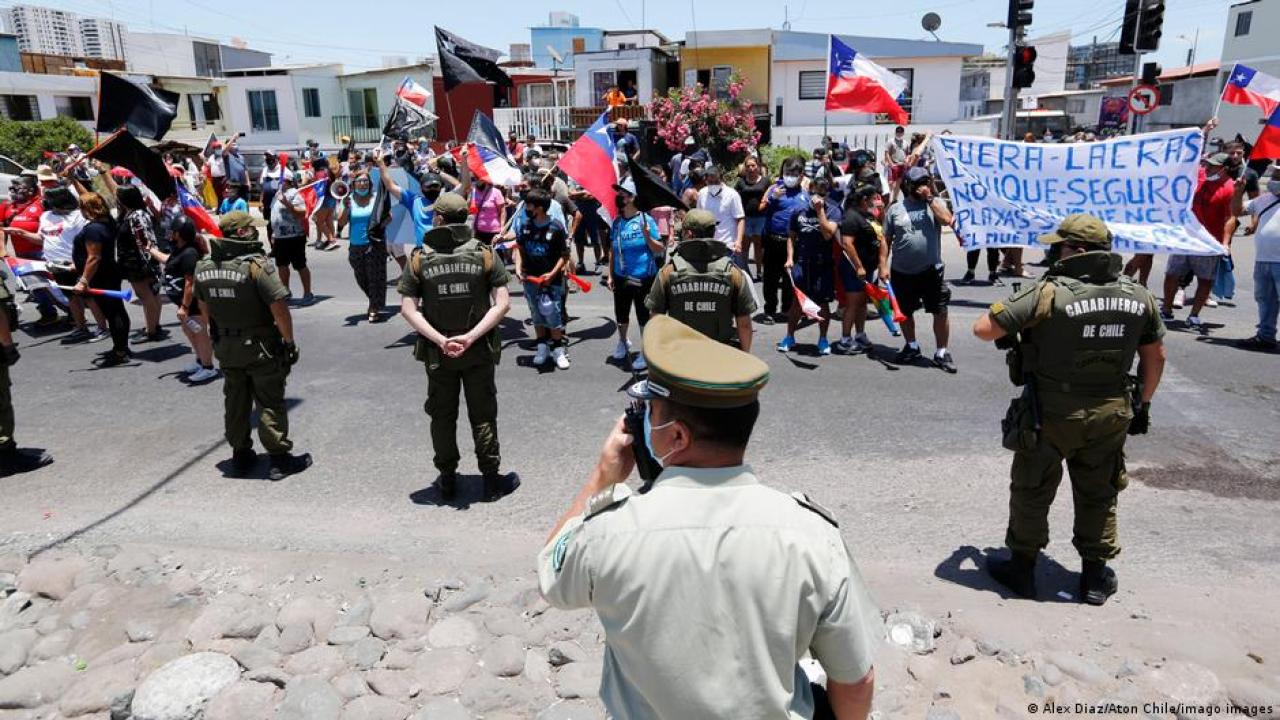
[614, 98]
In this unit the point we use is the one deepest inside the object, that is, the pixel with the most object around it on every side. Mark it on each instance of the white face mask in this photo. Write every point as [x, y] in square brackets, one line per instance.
[791, 180]
[715, 189]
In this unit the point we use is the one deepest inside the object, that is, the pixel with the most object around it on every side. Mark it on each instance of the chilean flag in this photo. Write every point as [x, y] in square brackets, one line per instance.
[489, 166]
[808, 307]
[1267, 146]
[412, 92]
[194, 209]
[589, 161]
[855, 84]
[313, 194]
[1247, 86]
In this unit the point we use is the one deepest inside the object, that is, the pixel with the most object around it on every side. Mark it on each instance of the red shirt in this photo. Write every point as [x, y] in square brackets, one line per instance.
[24, 217]
[1212, 203]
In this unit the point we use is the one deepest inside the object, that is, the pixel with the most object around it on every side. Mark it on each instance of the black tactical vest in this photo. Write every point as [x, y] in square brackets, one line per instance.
[232, 293]
[700, 288]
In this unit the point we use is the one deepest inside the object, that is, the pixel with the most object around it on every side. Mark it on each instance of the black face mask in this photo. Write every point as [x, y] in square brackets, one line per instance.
[622, 205]
[431, 194]
[524, 194]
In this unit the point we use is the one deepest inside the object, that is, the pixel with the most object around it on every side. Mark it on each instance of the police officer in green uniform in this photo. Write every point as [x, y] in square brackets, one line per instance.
[12, 458]
[710, 586]
[454, 294]
[1072, 338]
[241, 294]
[702, 288]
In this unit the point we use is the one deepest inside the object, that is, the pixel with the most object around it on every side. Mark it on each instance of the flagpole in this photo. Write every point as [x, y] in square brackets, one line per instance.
[1218, 105]
[824, 100]
[453, 124]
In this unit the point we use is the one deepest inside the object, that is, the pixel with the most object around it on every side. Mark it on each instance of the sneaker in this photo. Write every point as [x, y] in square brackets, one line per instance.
[204, 374]
[845, 345]
[1178, 298]
[286, 464]
[968, 277]
[582, 269]
[994, 279]
[540, 357]
[99, 334]
[308, 299]
[21, 460]
[46, 321]
[945, 361]
[863, 342]
[1256, 343]
[907, 354]
[1166, 315]
[497, 485]
[192, 369]
[77, 335]
[787, 344]
[114, 359]
[561, 358]
[767, 319]
[1211, 303]
[639, 364]
[824, 347]
[1195, 322]
[621, 350]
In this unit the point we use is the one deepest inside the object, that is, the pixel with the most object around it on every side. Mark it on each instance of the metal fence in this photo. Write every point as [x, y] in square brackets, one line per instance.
[361, 128]
[550, 123]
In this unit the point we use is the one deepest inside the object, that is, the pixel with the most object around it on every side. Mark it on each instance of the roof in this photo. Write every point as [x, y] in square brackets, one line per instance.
[621, 53]
[655, 33]
[1204, 69]
[281, 69]
[426, 64]
[790, 45]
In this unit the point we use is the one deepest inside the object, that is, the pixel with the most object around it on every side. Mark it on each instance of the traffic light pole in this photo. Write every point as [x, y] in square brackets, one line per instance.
[1137, 75]
[1010, 119]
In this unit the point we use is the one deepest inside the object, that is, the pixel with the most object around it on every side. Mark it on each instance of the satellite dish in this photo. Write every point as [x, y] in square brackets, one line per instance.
[931, 21]
[555, 54]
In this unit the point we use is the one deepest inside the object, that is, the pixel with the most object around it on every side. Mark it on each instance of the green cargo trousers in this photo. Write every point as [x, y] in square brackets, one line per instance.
[472, 374]
[262, 383]
[6, 410]
[1089, 434]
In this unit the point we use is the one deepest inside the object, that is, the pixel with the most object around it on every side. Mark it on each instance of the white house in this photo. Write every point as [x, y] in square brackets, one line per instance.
[1252, 29]
[281, 108]
[27, 96]
[596, 72]
[631, 39]
[369, 96]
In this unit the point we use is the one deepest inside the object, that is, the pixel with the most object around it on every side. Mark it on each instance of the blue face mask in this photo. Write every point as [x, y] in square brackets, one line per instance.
[362, 191]
[648, 435]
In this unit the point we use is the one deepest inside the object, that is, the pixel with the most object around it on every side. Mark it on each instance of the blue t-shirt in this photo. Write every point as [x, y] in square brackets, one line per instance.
[781, 207]
[632, 257]
[232, 205]
[811, 246]
[358, 219]
[421, 212]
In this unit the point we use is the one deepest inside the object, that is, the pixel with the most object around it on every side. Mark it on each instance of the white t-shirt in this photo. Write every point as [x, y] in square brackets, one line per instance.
[1268, 235]
[59, 231]
[727, 207]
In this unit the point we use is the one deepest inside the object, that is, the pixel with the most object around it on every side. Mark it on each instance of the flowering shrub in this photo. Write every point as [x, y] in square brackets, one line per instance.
[726, 128]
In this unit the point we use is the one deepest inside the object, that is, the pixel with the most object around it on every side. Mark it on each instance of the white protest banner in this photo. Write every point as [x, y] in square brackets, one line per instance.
[1005, 194]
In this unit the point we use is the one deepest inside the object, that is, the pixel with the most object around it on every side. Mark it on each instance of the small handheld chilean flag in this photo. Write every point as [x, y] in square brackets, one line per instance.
[313, 194]
[1267, 146]
[856, 84]
[412, 92]
[194, 209]
[589, 162]
[810, 308]
[1247, 86]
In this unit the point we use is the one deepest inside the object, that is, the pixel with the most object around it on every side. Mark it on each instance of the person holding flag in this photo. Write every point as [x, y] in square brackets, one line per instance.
[541, 258]
[810, 267]
[289, 233]
[865, 259]
[783, 199]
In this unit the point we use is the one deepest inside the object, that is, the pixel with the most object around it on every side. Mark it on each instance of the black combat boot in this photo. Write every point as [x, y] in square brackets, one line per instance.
[286, 464]
[243, 462]
[1097, 582]
[14, 460]
[1018, 573]
[496, 485]
[447, 483]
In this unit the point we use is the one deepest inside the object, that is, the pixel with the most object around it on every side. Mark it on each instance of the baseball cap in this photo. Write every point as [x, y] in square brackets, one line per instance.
[917, 174]
[627, 186]
[1081, 228]
[452, 207]
[1217, 159]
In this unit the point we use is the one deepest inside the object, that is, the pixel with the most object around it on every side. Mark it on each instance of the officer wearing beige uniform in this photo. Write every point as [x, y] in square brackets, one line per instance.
[710, 586]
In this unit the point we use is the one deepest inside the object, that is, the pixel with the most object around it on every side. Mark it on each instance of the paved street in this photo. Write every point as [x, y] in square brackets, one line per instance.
[908, 458]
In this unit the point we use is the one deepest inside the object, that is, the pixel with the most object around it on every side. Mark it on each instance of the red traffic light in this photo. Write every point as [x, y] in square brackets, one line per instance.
[1026, 55]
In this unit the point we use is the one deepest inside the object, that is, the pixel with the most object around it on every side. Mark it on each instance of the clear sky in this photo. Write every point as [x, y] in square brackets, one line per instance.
[360, 33]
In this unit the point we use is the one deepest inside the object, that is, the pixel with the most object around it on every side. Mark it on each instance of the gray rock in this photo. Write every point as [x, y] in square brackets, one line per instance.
[79, 620]
[48, 624]
[536, 668]
[485, 694]
[1185, 682]
[453, 632]
[34, 686]
[118, 654]
[244, 701]
[1051, 674]
[347, 634]
[987, 647]
[940, 713]
[399, 659]
[53, 578]
[366, 653]
[350, 685]
[269, 637]
[252, 656]
[120, 706]
[8, 583]
[560, 626]
[570, 710]
[54, 645]
[309, 698]
[375, 707]
[465, 599]
[140, 630]
[319, 613]
[94, 689]
[181, 688]
[1076, 667]
[1129, 668]
[131, 566]
[357, 614]
[159, 653]
[963, 652]
[396, 684]
[229, 613]
[505, 621]
[248, 623]
[442, 671]
[563, 653]
[323, 660]
[1034, 686]
[443, 709]
[14, 647]
[269, 676]
[911, 631]
[295, 638]
[578, 680]
[1249, 694]
[400, 615]
[504, 657]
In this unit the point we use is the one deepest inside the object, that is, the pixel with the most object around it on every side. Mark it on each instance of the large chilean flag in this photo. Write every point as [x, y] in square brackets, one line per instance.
[856, 84]
[589, 161]
[1267, 146]
[1247, 86]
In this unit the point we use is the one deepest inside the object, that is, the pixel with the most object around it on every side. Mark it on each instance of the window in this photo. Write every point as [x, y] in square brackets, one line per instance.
[813, 84]
[1243, 21]
[535, 95]
[19, 107]
[212, 112]
[627, 46]
[601, 81]
[363, 103]
[720, 81]
[75, 107]
[311, 102]
[263, 115]
[908, 95]
[1075, 106]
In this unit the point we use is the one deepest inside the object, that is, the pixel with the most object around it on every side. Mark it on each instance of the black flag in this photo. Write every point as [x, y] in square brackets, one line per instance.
[146, 111]
[485, 134]
[651, 191]
[127, 151]
[407, 121]
[462, 61]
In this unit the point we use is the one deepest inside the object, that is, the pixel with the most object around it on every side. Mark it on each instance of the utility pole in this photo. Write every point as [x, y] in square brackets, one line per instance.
[1018, 67]
[1010, 92]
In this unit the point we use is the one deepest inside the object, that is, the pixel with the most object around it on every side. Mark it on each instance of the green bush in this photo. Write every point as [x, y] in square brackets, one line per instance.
[27, 140]
[773, 155]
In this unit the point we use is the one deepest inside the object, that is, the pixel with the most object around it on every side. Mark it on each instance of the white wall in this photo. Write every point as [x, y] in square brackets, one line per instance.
[646, 65]
[1051, 65]
[1260, 51]
[161, 54]
[46, 88]
[288, 102]
[639, 39]
[935, 90]
[386, 83]
[333, 101]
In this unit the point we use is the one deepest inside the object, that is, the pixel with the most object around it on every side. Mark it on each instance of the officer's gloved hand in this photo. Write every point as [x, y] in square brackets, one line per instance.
[9, 355]
[290, 354]
[1141, 420]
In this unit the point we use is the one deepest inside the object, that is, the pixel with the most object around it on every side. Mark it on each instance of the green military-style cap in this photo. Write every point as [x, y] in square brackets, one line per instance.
[1081, 228]
[452, 207]
[232, 223]
[690, 368]
[701, 223]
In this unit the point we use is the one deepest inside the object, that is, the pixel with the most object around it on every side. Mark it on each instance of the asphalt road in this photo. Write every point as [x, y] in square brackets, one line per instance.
[908, 458]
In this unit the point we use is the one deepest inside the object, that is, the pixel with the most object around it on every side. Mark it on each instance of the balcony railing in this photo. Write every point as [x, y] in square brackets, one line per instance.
[560, 122]
[361, 128]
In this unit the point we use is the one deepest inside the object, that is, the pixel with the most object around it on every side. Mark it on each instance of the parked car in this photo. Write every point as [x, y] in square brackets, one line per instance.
[9, 170]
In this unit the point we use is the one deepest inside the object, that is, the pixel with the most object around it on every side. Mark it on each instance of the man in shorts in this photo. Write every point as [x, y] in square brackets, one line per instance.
[289, 234]
[1212, 207]
[913, 229]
